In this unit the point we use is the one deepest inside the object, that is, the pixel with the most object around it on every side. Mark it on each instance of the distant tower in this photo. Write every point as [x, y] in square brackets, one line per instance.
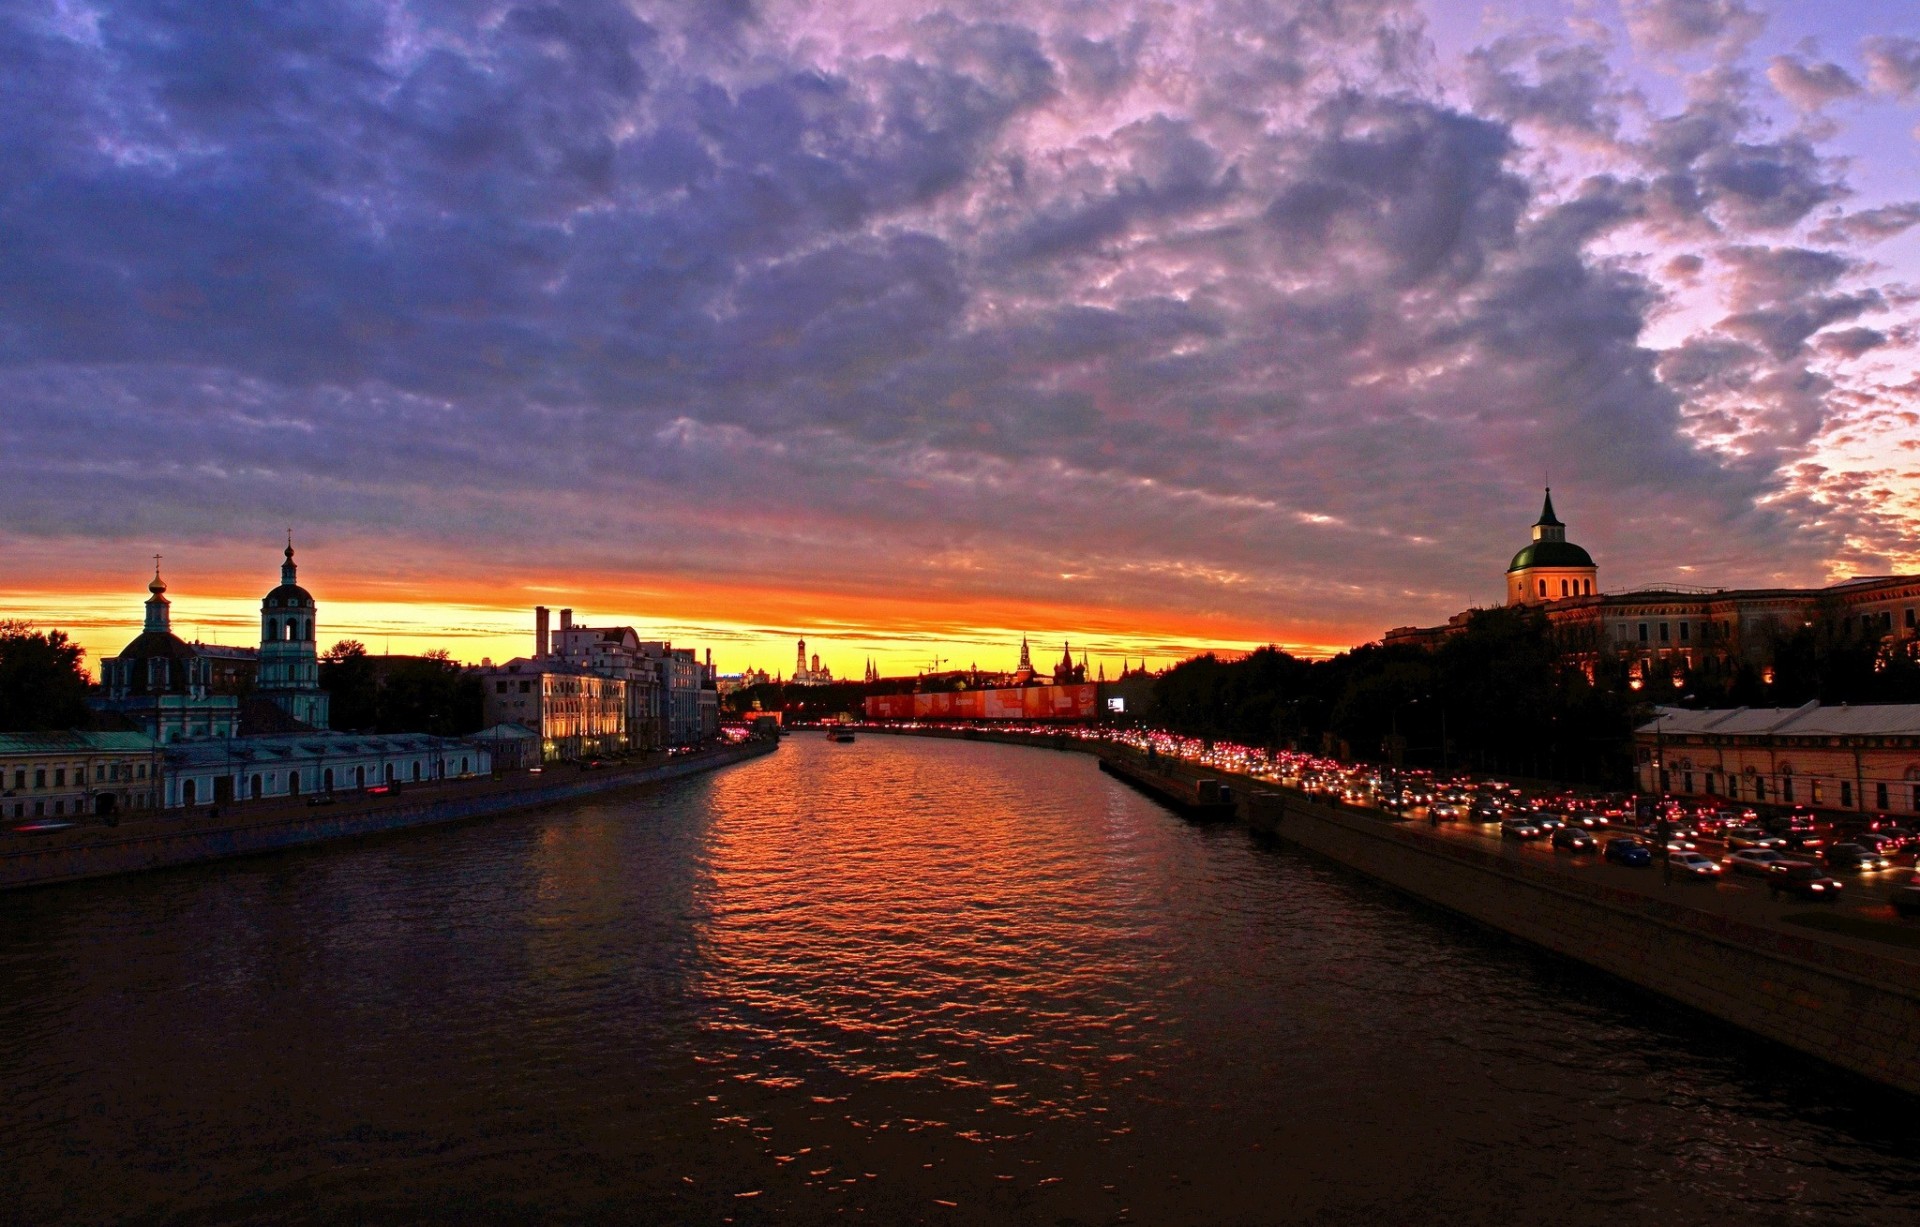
[289, 661]
[816, 662]
[1024, 673]
[1551, 568]
[800, 661]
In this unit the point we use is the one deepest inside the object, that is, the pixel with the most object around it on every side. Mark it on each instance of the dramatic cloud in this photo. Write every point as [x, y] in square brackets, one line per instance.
[1810, 86]
[1216, 311]
[1893, 64]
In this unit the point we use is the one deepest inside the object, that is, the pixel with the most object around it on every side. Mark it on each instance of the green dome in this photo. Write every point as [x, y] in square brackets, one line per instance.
[1550, 554]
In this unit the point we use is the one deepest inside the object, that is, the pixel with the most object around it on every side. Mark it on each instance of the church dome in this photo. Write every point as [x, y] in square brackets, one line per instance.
[1550, 554]
[289, 596]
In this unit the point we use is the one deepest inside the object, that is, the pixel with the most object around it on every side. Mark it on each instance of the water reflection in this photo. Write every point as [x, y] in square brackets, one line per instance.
[903, 981]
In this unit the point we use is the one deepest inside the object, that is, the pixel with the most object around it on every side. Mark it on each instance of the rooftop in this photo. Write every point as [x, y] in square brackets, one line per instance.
[1808, 720]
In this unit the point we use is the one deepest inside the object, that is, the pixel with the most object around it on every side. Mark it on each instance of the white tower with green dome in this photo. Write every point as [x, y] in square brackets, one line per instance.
[1552, 568]
[289, 655]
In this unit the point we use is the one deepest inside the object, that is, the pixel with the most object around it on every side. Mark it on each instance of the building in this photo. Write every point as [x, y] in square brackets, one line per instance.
[1550, 567]
[614, 652]
[576, 712]
[1666, 634]
[1850, 759]
[162, 684]
[511, 747]
[289, 656]
[74, 775]
[304, 764]
[808, 671]
[1066, 673]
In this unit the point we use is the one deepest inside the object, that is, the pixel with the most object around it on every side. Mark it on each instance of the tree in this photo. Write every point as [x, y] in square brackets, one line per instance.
[347, 675]
[42, 685]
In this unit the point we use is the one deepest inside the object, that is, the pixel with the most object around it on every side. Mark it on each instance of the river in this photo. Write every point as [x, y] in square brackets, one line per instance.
[897, 981]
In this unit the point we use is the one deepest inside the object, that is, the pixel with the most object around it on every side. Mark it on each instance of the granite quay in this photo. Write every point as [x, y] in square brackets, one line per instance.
[1732, 954]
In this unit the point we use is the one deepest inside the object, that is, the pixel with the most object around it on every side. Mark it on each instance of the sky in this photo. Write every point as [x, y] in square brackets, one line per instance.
[914, 328]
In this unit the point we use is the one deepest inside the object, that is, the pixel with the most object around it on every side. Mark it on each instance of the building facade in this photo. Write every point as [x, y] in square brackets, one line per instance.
[1860, 760]
[1663, 635]
[576, 712]
[319, 763]
[161, 684]
[75, 775]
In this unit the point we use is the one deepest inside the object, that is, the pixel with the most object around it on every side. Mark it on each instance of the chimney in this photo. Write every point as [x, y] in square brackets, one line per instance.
[540, 632]
[709, 658]
[566, 620]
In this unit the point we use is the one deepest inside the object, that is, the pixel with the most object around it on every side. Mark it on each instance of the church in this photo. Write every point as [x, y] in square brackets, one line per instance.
[174, 692]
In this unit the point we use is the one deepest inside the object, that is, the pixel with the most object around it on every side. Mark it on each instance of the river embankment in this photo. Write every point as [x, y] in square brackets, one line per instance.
[170, 838]
[1838, 999]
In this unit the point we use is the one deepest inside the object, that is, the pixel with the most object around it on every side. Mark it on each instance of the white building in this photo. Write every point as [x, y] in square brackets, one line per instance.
[305, 764]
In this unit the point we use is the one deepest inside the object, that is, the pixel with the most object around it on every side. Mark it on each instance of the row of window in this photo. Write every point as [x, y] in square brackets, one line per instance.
[257, 784]
[1884, 796]
[103, 773]
[1570, 587]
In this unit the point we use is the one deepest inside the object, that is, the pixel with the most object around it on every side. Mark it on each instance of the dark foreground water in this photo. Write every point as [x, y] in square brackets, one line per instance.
[898, 981]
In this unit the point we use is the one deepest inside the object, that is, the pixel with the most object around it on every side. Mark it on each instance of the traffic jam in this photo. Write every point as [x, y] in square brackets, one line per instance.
[1790, 854]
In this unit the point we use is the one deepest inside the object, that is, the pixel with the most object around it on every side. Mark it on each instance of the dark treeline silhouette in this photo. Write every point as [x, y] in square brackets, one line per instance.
[42, 685]
[1509, 694]
[1495, 697]
[399, 694]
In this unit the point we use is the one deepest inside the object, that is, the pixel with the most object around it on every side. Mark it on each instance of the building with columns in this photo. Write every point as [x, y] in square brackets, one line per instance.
[1662, 635]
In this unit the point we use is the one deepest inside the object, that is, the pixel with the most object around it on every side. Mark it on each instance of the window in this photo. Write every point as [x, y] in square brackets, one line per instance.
[293, 783]
[1786, 789]
[186, 792]
[499, 688]
[1683, 631]
[256, 787]
[526, 687]
[141, 771]
[99, 772]
[1880, 796]
[1909, 617]
[39, 777]
[1563, 587]
[1846, 794]
[1643, 632]
[1759, 788]
[19, 778]
[1665, 635]
[1543, 587]
[1686, 781]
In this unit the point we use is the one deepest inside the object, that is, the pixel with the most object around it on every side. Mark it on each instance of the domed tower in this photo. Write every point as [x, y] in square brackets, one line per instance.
[289, 657]
[1552, 568]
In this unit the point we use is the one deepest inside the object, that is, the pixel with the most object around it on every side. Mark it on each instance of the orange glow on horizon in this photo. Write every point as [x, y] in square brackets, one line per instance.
[746, 625]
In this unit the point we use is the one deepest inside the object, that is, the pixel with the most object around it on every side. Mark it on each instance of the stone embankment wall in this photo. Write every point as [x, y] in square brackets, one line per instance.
[179, 840]
[1854, 1009]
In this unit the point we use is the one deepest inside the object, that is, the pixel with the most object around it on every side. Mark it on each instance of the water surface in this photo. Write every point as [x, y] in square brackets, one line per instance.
[896, 981]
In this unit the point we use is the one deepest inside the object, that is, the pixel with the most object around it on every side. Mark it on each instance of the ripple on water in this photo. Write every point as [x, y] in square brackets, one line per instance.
[900, 980]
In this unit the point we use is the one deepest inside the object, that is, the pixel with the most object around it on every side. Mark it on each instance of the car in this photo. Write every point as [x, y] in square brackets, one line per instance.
[1695, 866]
[1752, 837]
[1855, 858]
[1754, 861]
[1548, 820]
[1804, 841]
[1574, 839]
[1877, 843]
[1624, 851]
[1906, 897]
[42, 826]
[1483, 812]
[1519, 828]
[1802, 879]
[323, 798]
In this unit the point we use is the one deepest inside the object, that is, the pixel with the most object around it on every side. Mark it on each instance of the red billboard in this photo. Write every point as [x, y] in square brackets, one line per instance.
[1076, 702]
